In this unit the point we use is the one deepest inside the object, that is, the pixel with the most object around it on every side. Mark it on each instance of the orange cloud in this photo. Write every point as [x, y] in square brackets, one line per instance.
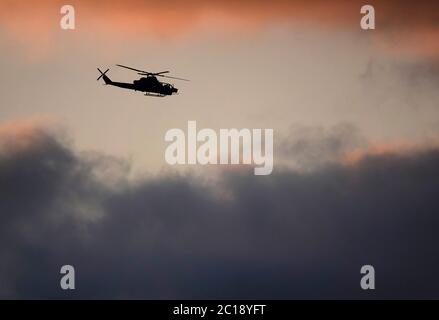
[410, 27]
[23, 134]
[400, 147]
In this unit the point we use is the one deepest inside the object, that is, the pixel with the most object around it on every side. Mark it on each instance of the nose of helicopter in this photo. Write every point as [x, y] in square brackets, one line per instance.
[174, 90]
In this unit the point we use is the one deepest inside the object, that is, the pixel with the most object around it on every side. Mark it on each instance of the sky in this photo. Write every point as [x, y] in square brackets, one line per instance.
[84, 181]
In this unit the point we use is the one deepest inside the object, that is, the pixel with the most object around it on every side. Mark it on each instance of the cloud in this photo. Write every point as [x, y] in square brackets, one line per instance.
[403, 27]
[395, 148]
[309, 148]
[288, 235]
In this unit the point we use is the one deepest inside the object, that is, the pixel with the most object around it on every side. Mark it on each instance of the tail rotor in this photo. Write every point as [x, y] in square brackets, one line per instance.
[102, 73]
[104, 76]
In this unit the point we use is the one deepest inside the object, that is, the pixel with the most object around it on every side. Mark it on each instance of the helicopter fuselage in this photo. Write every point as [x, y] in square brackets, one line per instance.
[147, 85]
[150, 85]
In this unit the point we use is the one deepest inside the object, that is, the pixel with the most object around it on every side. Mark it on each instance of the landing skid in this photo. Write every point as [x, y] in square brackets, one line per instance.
[155, 95]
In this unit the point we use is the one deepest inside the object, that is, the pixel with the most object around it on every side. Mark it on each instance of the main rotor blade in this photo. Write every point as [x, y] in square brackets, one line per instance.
[153, 73]
[172, 77]
[147, 73]
[143, 71]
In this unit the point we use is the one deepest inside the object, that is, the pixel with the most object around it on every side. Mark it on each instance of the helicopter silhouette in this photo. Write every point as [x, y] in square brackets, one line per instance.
[149, 84]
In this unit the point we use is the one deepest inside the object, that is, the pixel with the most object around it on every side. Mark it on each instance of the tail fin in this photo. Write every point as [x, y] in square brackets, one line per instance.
[106, 79]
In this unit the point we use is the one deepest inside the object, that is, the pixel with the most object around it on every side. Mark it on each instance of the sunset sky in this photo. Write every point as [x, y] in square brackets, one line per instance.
[252, 64]
[347, 106]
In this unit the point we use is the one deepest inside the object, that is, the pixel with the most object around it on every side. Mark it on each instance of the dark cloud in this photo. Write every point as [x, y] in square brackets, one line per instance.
[400, 87]
[288, 235]
[418, 74]
[310, 147]
[413, 74]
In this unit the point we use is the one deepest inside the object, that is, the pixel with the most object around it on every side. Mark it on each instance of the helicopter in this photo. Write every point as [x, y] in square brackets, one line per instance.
[149, 84]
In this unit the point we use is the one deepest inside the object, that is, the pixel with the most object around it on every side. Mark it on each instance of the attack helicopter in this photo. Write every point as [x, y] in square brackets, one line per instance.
[148, 84]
